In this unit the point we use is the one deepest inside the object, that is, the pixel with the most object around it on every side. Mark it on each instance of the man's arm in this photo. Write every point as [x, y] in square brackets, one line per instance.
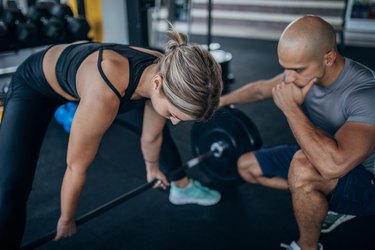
[333, 156]
[251, 92]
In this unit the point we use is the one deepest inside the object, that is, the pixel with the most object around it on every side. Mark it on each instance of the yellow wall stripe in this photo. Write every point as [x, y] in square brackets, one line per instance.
[93, 10]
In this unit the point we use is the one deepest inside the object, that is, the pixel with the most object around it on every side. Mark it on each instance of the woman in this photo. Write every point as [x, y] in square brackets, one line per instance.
[105, 79]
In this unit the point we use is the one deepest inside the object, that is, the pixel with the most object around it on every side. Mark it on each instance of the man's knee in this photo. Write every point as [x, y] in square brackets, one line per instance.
[302, 174]
[248, 168]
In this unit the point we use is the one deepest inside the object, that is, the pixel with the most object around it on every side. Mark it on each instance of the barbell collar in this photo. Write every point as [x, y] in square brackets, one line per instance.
[217, 148]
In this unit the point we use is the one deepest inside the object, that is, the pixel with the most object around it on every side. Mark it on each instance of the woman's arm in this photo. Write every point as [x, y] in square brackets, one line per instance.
[151, 140]
[251, 92]
[96, 111]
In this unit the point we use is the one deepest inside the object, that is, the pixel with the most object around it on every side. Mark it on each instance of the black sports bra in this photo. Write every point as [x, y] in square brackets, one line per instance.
[73, 55]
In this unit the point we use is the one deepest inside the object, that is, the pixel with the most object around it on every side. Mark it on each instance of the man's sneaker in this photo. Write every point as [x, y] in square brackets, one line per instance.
[193, 193]
[294, 246]
[333, 220]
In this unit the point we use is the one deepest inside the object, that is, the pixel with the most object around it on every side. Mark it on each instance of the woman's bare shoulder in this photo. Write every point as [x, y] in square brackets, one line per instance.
[112, 70]
[116, 70]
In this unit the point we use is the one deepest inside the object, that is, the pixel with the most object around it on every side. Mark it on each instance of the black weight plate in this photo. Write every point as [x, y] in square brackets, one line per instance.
[235, 129]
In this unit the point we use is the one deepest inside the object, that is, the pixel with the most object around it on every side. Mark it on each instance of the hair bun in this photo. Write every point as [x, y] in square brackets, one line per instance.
[176, 40]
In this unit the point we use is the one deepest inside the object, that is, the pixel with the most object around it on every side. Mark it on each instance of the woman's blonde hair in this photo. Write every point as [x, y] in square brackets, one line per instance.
[192, 79]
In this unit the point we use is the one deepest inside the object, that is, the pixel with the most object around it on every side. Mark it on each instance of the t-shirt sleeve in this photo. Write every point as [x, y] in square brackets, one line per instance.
[360, 106]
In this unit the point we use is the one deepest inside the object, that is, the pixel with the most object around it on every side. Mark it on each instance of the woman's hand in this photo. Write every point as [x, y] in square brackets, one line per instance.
[154, 172]
[65, 229]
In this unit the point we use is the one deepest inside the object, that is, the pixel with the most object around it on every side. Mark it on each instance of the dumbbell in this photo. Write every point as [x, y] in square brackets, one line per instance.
[50, 27]
[18, 26]
[78, 27]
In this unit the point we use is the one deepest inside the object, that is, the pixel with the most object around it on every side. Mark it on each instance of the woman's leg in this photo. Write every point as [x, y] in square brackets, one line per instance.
[26, 117]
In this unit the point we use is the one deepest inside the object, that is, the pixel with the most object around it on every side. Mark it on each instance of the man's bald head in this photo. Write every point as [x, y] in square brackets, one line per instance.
[309, 34]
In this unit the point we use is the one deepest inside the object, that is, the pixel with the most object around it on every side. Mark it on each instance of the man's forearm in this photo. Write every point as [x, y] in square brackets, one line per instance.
[249, 93]
[319, 147]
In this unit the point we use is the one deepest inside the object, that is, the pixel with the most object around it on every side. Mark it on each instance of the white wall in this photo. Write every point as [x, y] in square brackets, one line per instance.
[115, 24]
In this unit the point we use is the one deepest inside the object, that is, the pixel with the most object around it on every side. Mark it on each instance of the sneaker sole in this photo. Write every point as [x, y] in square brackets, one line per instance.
[338, 223]
[185, 202]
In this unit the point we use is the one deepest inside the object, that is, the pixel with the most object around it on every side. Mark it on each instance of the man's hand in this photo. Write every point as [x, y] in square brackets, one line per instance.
[288, 96]
[65, 229]
[222, 102]
[154, 172]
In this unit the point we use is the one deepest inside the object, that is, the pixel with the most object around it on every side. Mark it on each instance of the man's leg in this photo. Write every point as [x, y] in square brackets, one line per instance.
[250, 171]
[309, 191]
[268, 166]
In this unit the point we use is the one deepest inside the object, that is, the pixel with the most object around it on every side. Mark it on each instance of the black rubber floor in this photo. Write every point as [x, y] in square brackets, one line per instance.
[248, 217]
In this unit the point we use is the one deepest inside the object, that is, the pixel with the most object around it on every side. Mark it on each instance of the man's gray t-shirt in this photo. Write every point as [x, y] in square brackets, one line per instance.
[350, 98]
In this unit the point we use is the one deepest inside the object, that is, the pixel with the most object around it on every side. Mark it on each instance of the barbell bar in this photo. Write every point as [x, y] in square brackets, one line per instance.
[122, 198]
[92, 214]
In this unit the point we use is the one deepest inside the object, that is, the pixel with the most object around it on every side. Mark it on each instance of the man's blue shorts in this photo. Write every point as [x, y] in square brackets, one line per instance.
[354, 193]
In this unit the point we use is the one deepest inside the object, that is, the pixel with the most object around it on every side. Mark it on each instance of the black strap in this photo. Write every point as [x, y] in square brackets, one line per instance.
[104, 76]
[131, 86]
[137, 76]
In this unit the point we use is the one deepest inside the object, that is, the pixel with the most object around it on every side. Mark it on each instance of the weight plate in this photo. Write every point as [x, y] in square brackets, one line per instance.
[237, 131]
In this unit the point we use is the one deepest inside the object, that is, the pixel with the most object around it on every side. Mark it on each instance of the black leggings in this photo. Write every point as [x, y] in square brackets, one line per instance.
[28, 110]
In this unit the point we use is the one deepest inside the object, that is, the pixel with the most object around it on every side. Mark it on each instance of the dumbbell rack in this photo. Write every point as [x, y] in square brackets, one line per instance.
[9, 40]
[13, 50]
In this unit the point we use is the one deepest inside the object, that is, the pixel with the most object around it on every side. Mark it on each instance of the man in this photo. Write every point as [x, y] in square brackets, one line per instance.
[332, 167]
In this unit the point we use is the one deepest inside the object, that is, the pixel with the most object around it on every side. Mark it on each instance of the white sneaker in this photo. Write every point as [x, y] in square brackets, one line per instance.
[294, 246]
[193, 193]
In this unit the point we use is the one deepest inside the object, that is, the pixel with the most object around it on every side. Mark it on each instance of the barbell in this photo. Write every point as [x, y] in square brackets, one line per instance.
[217, 144]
